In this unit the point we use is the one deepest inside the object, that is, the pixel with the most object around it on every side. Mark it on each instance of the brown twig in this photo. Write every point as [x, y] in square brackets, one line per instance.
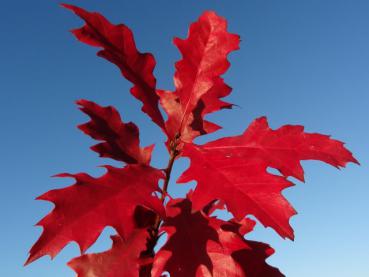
[154, 230]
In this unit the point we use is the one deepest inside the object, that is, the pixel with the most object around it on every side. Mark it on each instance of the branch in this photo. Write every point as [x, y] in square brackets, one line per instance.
[154, 230]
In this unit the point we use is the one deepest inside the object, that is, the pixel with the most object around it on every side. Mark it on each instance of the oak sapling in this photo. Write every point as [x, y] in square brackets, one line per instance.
[231, 173]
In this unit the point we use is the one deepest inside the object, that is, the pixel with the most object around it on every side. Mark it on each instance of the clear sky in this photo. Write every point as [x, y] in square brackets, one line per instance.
[300, 62]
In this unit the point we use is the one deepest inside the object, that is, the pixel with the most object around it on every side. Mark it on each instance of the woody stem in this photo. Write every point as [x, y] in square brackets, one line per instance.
[154, 230]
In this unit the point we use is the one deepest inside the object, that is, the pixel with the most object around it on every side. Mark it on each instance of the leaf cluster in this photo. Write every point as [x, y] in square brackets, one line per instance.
[231, 173]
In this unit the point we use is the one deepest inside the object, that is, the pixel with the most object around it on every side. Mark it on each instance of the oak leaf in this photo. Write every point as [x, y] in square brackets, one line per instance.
[123, 259]
[199, 86]
[119, 48]
[203, 246]
[84, 209]
[235, 170]
[120, 140]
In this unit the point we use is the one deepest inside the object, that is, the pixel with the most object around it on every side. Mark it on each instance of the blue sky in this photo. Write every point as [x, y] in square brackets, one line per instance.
[300, 62]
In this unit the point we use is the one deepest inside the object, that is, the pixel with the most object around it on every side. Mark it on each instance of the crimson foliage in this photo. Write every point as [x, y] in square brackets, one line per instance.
[231, 173]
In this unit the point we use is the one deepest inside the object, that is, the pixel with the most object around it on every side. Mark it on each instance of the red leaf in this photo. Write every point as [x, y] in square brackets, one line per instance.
[235, 168]
[121, 140]
[185, 249]
[249, 256]
[252, 260]
[84, 209]
[121, 260]
[172, 106]
[199, 245]
[119, 48]
[199, 86]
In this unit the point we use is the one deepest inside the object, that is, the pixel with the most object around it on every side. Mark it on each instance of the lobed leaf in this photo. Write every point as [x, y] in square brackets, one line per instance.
[234, 170]
[199, 86]
[118, 46]
[199, 245]
[123, 259]
[120, 140]
[84, 209]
